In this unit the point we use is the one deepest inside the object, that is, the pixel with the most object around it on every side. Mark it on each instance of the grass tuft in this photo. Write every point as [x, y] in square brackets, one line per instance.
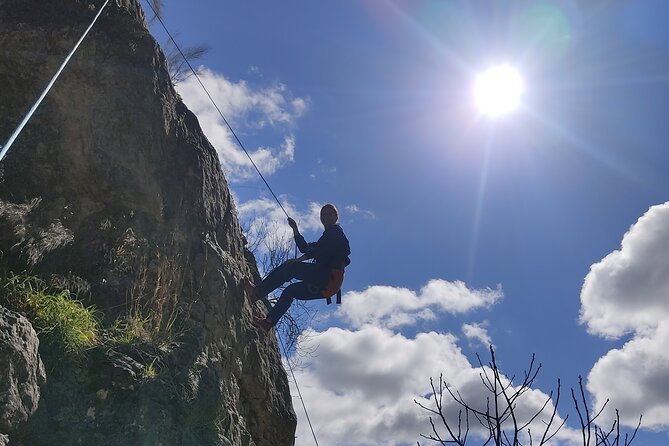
[59, 319]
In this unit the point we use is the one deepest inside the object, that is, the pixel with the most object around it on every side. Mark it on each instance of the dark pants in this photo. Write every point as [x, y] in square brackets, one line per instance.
[309, 288]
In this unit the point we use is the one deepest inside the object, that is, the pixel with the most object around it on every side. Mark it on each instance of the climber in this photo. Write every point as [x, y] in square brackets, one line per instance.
[318, 280]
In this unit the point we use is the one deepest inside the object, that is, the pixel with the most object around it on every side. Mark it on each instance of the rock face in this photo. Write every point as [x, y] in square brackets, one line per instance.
[21, 371]
[114, 192]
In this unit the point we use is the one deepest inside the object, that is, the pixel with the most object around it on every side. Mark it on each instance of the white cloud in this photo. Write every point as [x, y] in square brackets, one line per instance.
[626, 293]
[268, 209]
[247, 109]
[360, 386]
[477, 333]
[323, 170]
[636, 379]
[266, 227]
[394, 307]
[354, 209]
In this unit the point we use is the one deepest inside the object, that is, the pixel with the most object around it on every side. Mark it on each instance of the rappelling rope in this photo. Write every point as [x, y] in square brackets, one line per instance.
[176, 45]
[290, 366]
[37, 103]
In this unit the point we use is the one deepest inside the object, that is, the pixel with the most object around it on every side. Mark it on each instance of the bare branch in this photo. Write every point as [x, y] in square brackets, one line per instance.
[499, 421]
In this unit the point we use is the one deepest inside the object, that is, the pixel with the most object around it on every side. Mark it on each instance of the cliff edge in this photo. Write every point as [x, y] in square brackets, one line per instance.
[114, 193]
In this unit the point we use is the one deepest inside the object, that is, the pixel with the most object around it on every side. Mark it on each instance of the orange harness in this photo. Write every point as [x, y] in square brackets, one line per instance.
[334, 286]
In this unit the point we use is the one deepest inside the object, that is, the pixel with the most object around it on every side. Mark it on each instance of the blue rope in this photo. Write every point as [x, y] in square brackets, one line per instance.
[37, 103]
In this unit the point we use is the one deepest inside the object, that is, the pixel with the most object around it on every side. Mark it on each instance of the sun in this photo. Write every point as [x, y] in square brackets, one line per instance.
[498, 90]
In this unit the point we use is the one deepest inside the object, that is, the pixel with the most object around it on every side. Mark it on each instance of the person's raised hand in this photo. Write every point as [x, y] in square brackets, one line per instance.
[292, 223]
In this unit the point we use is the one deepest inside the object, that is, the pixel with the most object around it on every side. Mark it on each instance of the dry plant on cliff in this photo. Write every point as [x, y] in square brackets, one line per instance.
[155, 309]
[176, 65]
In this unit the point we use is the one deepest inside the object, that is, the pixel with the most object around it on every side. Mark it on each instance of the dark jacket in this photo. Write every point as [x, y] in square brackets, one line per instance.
[331, 251]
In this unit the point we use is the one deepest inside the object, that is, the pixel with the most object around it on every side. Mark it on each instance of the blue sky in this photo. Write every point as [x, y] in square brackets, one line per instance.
[459, 224]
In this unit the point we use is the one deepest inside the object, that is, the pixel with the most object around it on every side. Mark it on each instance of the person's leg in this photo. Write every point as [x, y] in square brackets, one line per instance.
[284, 273]
[300, 291]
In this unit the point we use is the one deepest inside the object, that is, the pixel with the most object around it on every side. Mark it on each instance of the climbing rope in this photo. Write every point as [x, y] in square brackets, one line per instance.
[176, 45]
[290, 366]
[37, 103]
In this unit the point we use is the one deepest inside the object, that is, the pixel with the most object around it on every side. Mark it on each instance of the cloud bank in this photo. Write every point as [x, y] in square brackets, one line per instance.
[627, 293]
[361, 383]
[360, 387]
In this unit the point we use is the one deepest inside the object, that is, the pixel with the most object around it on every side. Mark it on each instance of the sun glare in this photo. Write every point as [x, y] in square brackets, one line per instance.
[497, 91]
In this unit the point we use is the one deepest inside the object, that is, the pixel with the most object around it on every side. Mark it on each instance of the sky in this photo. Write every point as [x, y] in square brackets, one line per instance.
[544, 231]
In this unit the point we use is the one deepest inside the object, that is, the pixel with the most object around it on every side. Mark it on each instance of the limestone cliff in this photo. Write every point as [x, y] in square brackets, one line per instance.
[114, 192]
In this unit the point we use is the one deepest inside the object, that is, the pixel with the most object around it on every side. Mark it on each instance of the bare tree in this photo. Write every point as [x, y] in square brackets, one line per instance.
[609, 437]
[498, 417]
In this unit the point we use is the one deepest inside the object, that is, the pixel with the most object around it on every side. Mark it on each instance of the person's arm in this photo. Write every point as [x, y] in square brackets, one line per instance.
[298, 259]
[301, 243]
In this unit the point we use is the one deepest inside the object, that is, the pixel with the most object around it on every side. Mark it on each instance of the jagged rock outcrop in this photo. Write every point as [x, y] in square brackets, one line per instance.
[21, 371]
[114, 192]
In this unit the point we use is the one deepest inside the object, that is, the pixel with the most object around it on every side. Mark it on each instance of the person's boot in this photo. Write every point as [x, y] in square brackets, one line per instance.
[262, 323]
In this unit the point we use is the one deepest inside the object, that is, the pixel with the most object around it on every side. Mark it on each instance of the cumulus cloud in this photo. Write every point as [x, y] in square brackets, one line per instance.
[394, 307]
[626, 293]
[636, 379]
[360, 386]
[247, 109]
[477, 333]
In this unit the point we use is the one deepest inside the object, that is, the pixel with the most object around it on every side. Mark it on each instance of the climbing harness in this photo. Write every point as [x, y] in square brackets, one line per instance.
[334, 286]
[39, 100]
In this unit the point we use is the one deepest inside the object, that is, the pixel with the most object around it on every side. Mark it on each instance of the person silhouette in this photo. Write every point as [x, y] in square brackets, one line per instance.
[319, 279]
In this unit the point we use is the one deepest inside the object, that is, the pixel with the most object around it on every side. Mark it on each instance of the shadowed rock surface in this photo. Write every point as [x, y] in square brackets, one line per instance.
[21, 371]
[114, 192]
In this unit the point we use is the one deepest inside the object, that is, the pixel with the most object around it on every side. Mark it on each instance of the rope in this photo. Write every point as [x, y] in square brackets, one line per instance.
[176, 45]
[290, 366]
[37, 103]
[239, 142]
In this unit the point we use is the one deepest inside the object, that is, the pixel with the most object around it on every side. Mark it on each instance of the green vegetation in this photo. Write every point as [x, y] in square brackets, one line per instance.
[154, 316]
[61, 321]
[84, 355]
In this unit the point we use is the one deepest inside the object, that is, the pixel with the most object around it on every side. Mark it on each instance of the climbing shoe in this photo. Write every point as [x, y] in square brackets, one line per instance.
[262, 323]
[250, 291]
